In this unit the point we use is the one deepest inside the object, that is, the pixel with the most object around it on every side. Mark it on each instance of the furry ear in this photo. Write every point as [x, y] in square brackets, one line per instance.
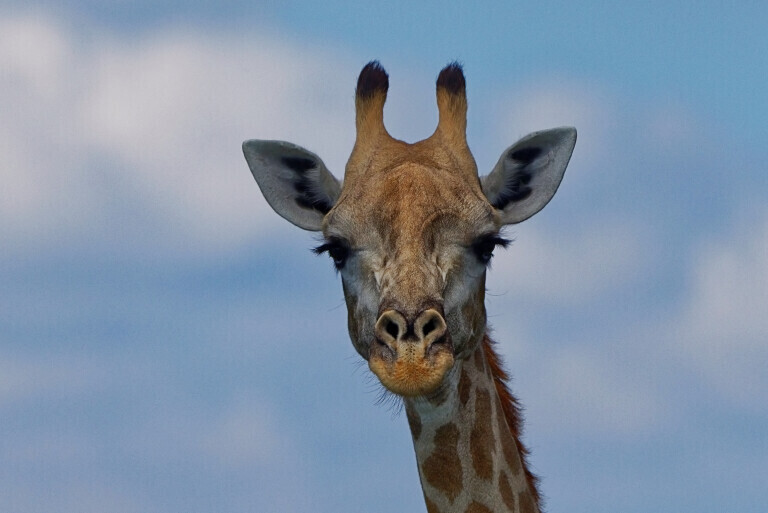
[294, 181]
[529, 173]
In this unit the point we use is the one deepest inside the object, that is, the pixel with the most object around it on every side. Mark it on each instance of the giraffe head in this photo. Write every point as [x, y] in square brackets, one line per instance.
[413, 227]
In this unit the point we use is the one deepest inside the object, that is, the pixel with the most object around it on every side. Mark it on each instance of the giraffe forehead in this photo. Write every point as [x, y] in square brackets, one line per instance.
[411, 203]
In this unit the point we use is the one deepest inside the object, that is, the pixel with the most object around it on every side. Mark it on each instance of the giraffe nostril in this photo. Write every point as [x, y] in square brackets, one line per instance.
[392, 329]
[429, 327]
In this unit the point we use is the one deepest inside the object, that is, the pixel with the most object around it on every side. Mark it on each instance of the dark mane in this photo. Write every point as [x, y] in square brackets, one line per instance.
[512, 412]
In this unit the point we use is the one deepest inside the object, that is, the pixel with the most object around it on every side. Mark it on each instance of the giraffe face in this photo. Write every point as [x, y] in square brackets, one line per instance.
[411, 243]
[413, 227]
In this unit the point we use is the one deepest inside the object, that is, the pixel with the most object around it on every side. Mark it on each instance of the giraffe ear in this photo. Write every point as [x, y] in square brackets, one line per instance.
[294, 181]
[529, 173]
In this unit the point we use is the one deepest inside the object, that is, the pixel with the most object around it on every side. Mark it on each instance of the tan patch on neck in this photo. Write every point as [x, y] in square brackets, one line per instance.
[509, 445]
[442, 469]
[465, 387]
[476, 507]
[481, 437]
[507, 495]
[431, 508]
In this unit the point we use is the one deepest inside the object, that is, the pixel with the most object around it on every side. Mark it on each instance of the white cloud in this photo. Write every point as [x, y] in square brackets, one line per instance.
[139, 141]
[33, 54]
[37, 142]
[723, 329]
[570, 268]
[583, 390]
[548, 103]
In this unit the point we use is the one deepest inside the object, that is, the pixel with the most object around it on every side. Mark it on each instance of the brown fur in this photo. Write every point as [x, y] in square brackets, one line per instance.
[476, 507]
[431, 507]
[506, 491]
[526, 502]
[465, 387]
[480, 361]
[443, 468]
[512, 414]
[482, 458]
[414, 421]
[508, 443]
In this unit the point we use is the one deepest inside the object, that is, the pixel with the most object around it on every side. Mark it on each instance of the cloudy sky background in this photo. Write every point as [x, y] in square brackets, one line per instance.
[168, 343]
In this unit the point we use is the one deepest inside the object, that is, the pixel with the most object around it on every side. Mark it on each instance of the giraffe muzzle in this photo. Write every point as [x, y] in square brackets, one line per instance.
[411, 356]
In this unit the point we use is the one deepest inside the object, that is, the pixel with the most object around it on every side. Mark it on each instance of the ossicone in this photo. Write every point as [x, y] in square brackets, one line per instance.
[373, 80]
[452, 106]
[370, 95]
[451, 78]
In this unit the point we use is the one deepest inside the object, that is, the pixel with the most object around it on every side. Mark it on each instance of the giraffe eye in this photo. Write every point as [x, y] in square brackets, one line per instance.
[339, 255]
[485, 244]
[337, 249]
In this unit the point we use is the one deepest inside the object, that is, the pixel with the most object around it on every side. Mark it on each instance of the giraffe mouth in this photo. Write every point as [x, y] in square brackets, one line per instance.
[409, 367]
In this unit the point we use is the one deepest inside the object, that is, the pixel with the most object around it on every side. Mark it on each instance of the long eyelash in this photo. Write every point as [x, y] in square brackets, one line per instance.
[495, 238]
[501, 241]
[326, 246]
[492, 238]
[322, 248]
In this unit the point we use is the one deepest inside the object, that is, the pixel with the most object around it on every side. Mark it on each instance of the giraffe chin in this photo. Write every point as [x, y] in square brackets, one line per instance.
[407, 374]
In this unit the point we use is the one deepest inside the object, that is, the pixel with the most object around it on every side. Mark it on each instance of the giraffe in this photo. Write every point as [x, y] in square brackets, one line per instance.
[412, 230]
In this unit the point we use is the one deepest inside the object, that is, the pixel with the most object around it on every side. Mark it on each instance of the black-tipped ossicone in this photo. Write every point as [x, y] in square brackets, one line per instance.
[451, 79]
[372, 79]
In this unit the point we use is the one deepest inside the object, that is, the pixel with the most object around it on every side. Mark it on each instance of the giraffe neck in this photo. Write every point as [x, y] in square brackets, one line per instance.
[469, 457]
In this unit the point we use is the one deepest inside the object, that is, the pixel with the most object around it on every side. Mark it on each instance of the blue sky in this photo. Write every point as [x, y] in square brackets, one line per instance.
[168, 343]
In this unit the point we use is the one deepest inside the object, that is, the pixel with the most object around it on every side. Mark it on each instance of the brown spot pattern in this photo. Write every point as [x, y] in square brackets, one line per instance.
[479, 359]
[481, 437]
[476, 507]
[438, 399]
[414, 421]
[442, 469]
[465, 387]
[507, 495]
[526, 503]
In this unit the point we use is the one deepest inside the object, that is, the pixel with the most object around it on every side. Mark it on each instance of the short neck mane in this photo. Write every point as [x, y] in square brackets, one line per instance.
[467, 441]
[512, 412]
